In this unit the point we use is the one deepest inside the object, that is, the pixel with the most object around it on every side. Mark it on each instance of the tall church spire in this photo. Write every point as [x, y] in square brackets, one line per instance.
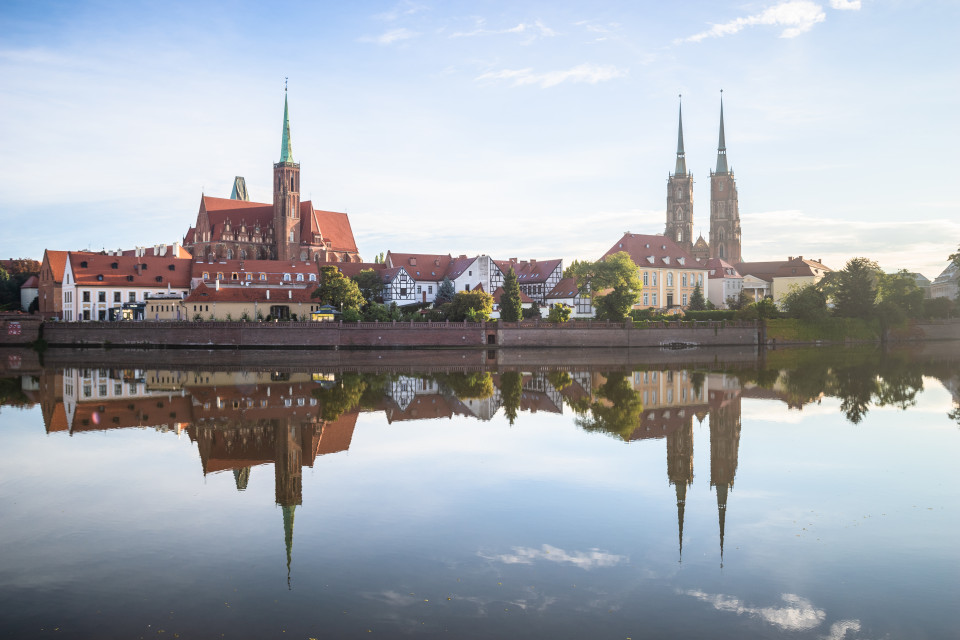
[286, 149]
[722, 146]
[681, 168]
[288, 512]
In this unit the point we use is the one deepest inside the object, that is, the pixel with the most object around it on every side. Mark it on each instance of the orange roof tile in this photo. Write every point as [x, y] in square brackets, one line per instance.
[655, 251]
[207, 294]
[96, 269]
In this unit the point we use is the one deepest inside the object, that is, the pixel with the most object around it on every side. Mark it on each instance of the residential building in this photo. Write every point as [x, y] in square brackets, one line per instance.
[536, 278]
[724, 282]
[784, 275]
[255, 273]
[107, 286]
[668, 273]
[568, 294]
[249, 303]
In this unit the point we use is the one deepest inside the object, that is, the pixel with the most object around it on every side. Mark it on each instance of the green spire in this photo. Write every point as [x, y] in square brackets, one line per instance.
[286, 149]
[722, 147]
[681, 168]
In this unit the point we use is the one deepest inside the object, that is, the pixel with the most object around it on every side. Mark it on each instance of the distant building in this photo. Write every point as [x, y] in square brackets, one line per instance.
[725, 237]
[784, 275]
[724, 282]
[947, 284]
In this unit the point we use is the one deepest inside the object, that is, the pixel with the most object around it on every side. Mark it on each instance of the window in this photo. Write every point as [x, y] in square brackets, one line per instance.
[299, 277]
[286, 277]
[263, 277]
[684, 299]
[469, 273]
[291, 236]
[653, 299]
[700, 279]
[430, 289]
[684, 278]
[132, 296]
[206, 275]
[313, 277]
[234, 276]
[646, 299]
[101, 296]
[116, 296]
[646, 279]
[670, 278]
[418, 288]
[654, 280]
[219, 275]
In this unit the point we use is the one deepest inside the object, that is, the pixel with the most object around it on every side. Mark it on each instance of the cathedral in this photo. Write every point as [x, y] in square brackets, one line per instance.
[724, 210]
[236, 229]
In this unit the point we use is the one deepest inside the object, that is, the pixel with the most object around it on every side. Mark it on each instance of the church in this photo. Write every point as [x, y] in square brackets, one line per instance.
[286, 229]
[724, 209]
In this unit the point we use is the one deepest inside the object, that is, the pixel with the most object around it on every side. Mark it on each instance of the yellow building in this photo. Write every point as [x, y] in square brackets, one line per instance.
[249, 303]
[784, 275]
[669, 274]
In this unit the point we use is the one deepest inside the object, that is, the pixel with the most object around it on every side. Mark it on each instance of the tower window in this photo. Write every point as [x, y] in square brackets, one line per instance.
[291, 183]
[291, 236]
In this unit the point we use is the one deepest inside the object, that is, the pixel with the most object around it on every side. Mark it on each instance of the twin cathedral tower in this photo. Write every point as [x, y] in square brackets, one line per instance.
[724, 210]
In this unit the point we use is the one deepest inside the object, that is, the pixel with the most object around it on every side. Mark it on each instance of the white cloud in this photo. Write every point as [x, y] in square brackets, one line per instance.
[389, 37]
[588, 73]
[405, 8]
[533, 30]
[838, 630]
[798, 614]
[798, 16]
[583, 559]
[845, 5]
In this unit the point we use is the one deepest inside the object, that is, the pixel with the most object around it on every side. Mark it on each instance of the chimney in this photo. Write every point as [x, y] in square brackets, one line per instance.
[533, 261]
[176, 249]
[218, 284]
[289, 294]
[268, 294]
[789, 258]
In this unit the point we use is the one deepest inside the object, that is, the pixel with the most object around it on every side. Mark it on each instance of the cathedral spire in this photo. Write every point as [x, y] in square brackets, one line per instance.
[681, 168]
[286, 149]
[681, 503]
[722, 147]
[722, 514]
[288, 512]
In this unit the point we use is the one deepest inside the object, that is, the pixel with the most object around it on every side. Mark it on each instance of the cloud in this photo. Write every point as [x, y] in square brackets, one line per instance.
[588, 73]
[533, 30]
[838, 630]
[405, 8]
[797, 614]
[845, 5]
[585, 560]
[798, 16]
[389, 37]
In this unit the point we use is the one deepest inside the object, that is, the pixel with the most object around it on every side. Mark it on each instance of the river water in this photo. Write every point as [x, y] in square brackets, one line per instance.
[791, 494]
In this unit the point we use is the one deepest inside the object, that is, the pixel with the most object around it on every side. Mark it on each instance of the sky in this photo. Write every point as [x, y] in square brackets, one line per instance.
[516, 129]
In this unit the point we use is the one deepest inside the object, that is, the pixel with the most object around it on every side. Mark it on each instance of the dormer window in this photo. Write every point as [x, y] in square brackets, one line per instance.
[286, 277]
[219, 275]
[114, 265]
[206, 275]
[234, 276]
[299, 277]
[249, 276]
[100, 277]
[263, 277]
[313, 277]
[83, 265]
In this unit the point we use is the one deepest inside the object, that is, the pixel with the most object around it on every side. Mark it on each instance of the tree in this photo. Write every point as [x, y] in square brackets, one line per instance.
[337, 290]
[532, 312]
[379, 259]
[370, 284]
[511, 392]
[613, 283]
[739, 301]
[445, 291]
[955, 258]
[697, 303]
[899, 295]
[571, 270]
[510, 304]
[474, 306]
[559, 312]
[806, 303]
[853, 288]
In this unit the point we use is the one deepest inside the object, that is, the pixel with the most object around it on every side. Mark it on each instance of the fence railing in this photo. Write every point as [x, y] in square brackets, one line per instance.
[408, 325]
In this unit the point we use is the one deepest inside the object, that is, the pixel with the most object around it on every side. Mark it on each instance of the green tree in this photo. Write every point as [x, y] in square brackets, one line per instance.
[697, 303]
[614, 284]
[337, 290]
[379, 259]
[559, 312]
[510, 305]
[738, 301]
[370, 284]
[616, 410]
[511, 392]
[899, 295]
[806, 303]
[445, 291]
[474, 306]
[853, 288]
[532, 312]
[571, 270]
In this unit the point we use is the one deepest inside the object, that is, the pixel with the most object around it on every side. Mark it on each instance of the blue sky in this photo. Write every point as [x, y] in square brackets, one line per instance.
[527, 129]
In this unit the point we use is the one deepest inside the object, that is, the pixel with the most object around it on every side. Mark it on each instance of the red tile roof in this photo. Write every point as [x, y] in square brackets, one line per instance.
[335, 228]
[274, 270]
[720, 269]
[97, 269]
[566, 288]
[654, 251]
[350, 269]
[57, 261]
[207, 294]
[524, 298]
[31, 283]
[529, 270]
[794, 267]
[421, 266]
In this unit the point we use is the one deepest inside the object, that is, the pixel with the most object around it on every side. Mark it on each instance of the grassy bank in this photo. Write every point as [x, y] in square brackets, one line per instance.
[827, 330]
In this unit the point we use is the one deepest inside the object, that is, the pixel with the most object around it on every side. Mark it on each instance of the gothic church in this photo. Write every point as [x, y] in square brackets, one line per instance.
[724, 209]
[287, 229]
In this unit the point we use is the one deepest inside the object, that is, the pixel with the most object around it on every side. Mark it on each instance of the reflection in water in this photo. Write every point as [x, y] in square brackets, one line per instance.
[544, 535]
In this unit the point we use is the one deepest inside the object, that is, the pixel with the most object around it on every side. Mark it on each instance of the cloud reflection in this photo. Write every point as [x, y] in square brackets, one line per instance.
[798, 614]
[586, 560]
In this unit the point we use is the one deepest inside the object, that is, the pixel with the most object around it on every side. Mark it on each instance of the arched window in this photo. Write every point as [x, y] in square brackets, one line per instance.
[286, 277]
[291, 183]
[721, 252]
[669, 278]
[229, 254]
[303, 256]
[299, 277]
[243, 254]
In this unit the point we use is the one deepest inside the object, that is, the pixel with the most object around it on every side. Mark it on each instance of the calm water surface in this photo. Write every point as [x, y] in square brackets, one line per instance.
[800, 494]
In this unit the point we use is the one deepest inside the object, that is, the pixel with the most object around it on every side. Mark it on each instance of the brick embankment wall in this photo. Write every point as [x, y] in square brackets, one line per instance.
[930, 330]
[607, 358]
[18, 329]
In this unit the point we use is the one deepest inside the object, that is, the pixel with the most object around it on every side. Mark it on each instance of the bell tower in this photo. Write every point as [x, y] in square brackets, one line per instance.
[724, 208]
[286, 195]
[679, 227]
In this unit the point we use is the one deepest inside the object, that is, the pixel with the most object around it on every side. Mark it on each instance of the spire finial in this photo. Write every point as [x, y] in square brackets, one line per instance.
[681, 168]
[286, 147]
[722, 146]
